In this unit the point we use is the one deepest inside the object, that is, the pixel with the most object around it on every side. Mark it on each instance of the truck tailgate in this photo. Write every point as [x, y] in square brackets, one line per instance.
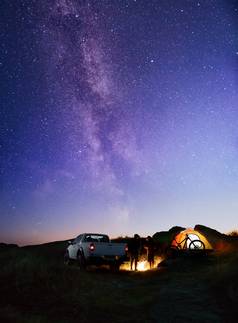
[109, 249]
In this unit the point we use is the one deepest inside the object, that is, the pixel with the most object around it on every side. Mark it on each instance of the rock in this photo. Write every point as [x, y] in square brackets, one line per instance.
[218, 240]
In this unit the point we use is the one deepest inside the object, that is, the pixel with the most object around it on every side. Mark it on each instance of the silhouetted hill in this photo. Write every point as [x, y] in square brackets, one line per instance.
[163, 239]
[7, 246]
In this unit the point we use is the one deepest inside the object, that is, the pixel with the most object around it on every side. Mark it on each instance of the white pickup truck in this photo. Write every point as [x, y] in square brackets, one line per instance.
[96, 249]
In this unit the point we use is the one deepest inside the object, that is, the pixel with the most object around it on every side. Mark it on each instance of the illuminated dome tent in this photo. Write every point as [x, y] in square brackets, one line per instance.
[183, 242]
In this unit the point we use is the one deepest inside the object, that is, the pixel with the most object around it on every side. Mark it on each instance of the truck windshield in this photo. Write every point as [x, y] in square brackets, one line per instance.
[96, 238]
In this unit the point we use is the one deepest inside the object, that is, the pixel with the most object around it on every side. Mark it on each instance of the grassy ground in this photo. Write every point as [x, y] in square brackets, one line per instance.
[37, 287]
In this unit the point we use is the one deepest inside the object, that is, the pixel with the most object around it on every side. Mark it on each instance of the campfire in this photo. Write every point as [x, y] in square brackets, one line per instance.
[142, 265]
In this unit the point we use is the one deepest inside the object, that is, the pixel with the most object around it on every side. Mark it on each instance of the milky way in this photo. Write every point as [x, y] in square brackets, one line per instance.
[117, 116]
[86, 83]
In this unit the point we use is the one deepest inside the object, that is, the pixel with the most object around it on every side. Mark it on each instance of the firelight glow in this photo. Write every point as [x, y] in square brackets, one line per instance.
[117, 117]
[143, 265]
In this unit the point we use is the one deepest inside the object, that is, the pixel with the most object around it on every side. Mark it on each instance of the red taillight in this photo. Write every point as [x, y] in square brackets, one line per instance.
[126, 248]
[92, 247]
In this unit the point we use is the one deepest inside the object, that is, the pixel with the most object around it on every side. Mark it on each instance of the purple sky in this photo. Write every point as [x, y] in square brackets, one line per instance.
[117, 117]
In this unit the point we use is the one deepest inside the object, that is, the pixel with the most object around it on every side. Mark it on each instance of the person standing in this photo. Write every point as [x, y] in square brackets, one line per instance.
[150, 251]
[134, 247]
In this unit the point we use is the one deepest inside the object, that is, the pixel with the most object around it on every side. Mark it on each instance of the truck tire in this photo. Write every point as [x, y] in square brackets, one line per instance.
[67, 260]
[115, 267]
[81, 261]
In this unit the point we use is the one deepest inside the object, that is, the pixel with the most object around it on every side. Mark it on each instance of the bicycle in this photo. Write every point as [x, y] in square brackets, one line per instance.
[196, 244]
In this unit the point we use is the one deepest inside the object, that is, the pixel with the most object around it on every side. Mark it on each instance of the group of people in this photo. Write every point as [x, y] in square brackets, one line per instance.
[135, 247]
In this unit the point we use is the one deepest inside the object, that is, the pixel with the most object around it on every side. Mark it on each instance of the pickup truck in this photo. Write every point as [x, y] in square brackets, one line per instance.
[95, 249]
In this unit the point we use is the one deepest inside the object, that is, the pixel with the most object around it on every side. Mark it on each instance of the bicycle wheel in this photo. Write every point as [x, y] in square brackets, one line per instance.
[196, 244]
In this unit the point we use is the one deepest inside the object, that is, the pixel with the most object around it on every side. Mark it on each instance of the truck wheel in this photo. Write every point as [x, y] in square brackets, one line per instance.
[81, 261]
[67, 260]
[115, 267]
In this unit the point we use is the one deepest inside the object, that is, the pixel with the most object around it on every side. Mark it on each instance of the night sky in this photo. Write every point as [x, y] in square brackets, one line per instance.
[117, 116]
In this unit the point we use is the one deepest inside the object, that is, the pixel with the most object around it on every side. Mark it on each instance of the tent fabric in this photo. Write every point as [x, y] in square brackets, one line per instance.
[193, 235]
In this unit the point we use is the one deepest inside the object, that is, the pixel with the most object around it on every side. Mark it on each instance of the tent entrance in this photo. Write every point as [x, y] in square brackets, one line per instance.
[190, 239]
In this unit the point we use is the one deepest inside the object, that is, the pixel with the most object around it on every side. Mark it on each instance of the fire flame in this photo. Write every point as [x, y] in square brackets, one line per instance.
[142, 265]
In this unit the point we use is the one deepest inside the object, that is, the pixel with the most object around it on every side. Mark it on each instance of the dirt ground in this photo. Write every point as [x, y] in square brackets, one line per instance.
[37, 287]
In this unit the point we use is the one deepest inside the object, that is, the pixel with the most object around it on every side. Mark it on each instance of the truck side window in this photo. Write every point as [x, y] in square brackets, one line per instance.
[78, 239]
